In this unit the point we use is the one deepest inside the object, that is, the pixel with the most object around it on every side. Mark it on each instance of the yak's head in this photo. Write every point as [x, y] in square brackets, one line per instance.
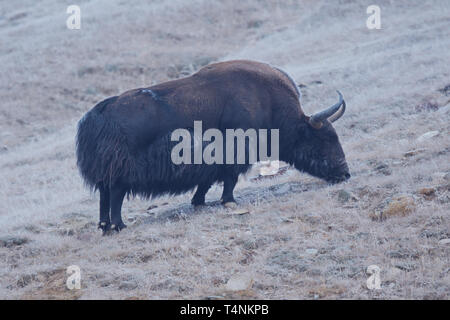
[318, 150]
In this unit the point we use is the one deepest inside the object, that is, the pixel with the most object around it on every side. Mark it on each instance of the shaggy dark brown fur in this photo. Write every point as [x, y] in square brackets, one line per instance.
[122, 143]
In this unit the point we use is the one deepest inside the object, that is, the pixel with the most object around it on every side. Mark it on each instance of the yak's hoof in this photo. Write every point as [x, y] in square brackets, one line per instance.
[104, 226]
[230, 205]
[197, 202]
[119, 226]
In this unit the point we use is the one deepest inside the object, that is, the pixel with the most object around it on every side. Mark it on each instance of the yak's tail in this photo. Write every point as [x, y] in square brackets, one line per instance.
[102, 149]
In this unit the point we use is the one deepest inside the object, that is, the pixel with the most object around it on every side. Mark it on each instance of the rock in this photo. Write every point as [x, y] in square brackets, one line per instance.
[346, 196]
[428, 193]
[413, 152]
[153, 206]
[214, 297]
[269, 170]
[11, 241]
[311, 251]
[240, 212]
[128, 285]
[383, 168]
[428, 135]
[239, 282]
[399, 206]
[230, 205]
[444, 241]
[406, 266]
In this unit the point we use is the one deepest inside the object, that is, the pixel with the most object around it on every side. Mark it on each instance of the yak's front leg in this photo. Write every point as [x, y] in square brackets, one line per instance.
[199, 197]
[229, 182]
[117, 193]
[105, 221]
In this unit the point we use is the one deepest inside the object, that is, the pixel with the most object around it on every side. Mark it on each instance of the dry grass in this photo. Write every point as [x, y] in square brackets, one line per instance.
[302, 238]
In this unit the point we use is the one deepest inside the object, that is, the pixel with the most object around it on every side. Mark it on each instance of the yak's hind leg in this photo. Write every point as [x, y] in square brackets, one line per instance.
[105, 221]
[199, 197]
[117, 193]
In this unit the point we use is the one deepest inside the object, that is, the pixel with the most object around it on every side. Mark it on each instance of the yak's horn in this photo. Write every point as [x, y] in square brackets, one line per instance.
[331, 113]
[338, 114]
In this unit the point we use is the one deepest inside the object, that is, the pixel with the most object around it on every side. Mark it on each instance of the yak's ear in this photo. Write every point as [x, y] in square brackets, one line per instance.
[313, 124]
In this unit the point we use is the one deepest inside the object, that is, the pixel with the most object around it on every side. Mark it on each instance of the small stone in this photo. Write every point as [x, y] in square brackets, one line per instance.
[128, 285]
[240, 212]
[427, 193]
[230, 205]
[427, 135]
[382, 168]
[214, 297]
[10, 241]
[346, 196]
[311, 251]
[268, 171]
[444, 241]
[413, 152]
[239, 283]
[406, 266]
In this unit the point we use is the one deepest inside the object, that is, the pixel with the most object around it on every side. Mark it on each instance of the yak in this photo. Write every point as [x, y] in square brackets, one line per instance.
[123, 143]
